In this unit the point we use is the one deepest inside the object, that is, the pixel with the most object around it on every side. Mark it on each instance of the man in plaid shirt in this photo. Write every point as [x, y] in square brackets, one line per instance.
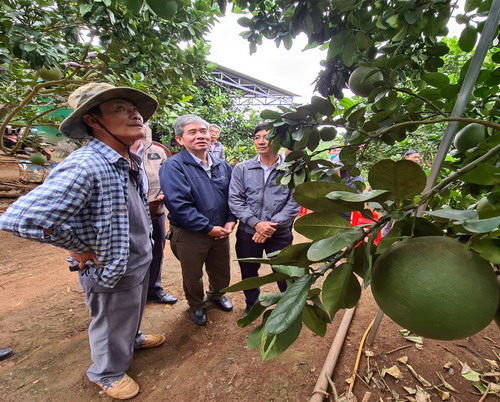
[94, 205]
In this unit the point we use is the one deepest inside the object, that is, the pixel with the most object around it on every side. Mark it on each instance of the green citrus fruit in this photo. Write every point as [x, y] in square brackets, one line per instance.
[469, 137]
[165, 9]
[38, 159]
[362, 79]
[436, 287]
[50, 74]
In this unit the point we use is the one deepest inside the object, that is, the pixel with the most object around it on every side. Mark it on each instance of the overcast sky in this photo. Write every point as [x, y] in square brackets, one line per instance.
[292, 69]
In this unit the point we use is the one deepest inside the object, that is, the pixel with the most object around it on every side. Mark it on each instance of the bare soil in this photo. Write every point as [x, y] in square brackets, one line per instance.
[44, 318]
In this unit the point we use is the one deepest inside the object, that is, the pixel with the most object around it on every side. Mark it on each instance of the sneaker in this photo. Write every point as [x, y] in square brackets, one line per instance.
[124, 388]
[151, 341]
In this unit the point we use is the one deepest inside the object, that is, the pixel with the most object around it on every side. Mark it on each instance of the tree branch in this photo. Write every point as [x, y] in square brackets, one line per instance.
[486, 123]
[458, 173]
[425, 100]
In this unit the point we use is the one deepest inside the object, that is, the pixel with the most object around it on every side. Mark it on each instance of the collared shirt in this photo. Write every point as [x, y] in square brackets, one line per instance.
[84, 202]
[206, 167]
[217, 150]
[269, 169]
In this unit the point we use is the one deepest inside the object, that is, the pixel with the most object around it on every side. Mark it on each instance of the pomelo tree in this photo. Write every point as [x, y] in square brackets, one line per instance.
[49, 47]
[402, 49]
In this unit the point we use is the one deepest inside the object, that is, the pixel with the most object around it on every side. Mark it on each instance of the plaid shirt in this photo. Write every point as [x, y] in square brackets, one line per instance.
[84, 202]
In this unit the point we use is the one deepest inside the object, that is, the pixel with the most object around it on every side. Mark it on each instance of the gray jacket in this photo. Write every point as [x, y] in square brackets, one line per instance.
[252, 201]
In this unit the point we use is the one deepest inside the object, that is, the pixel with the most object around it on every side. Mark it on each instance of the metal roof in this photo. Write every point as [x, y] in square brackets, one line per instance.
[255, 92]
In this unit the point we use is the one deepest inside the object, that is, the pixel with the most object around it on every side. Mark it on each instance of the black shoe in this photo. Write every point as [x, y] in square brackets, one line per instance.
[198, 316]
[163, 297]
[6, 352]
[224, 304]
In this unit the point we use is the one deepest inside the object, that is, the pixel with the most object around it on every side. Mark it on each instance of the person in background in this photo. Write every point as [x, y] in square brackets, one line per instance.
[10, 137]
[152, 157]
[93, 204]
[265, 209]
[412, 155]
[6, 353]
[195, 186]
[334, 154]
[216, 148]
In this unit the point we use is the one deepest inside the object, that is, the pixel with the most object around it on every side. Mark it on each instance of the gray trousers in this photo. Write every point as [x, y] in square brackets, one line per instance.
[114, 330]
[193, 250]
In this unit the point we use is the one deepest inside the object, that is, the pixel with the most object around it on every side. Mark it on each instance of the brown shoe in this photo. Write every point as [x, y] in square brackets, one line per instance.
[152, 341]
[124, 388]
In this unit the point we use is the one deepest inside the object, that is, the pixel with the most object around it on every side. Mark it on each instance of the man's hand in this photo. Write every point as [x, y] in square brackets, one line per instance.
[258, 238]
[82, 258]
[219, 232]
[265, 228]
[230, 226]
[155, 204]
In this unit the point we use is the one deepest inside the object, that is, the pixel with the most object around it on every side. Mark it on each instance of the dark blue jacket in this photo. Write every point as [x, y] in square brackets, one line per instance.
[195, 201]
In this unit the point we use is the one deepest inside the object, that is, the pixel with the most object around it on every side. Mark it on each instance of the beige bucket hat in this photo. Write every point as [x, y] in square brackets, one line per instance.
[95, 93]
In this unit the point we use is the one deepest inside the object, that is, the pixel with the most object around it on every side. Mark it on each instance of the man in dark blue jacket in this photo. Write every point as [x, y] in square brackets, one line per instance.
[195, 185]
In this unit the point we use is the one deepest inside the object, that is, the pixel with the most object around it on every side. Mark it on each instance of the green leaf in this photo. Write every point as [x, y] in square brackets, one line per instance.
[299, 176]
[482, 225]
[254, 313]
[85, 8]
[456, 215]
[269, 299]
[273, 345]
[289, 307]
[134, 6]
[245, 22]
[372, 195]
[404, 179]
[295, 255]
[311, 195]
[484, 174]
[325, 248]
[270, 115]
[341, 289]
[312, 321]
[320, 225]
[254, 337]
[252, 283]
[468, 38]
[361, 260]
[487, 248]
[314, 139]
[438, 80]
[291, 271]
[322, 106]
[414, 227]
[412, 15]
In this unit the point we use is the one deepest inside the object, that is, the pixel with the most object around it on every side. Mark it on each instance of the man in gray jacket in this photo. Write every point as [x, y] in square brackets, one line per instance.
[266, 210]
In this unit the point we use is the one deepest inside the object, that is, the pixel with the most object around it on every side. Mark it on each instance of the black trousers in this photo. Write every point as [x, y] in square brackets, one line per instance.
[246, 248]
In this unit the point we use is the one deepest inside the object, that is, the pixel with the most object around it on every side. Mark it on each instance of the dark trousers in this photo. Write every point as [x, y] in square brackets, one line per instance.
[159, 233]
[194, 249]
[246, 248]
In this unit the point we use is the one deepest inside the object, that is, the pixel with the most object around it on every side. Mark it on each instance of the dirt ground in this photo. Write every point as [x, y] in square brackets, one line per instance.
[43, 317]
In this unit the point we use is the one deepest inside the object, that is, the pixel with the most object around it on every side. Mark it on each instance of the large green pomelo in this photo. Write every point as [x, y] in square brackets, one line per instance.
[50, 74]
[469, 137]
[362, 79]
[38, 159]
[436, 287]
[165, 9]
